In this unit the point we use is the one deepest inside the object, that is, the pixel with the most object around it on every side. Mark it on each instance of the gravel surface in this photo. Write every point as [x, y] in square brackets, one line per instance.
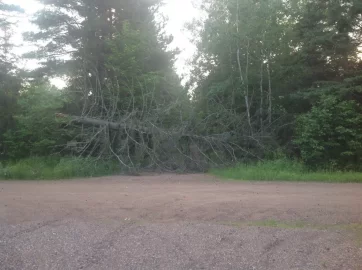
[179, 222]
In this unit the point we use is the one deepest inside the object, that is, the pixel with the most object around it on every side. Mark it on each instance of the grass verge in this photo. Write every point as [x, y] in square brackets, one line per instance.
[40, 168]
[285, 170]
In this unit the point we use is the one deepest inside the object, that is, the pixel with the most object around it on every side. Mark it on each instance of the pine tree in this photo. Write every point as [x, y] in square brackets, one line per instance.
[115, 56]
[87, 40]
[9, 81]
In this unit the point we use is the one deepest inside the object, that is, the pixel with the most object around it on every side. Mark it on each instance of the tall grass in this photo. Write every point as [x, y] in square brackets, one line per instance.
[285, 170]
[39, 168]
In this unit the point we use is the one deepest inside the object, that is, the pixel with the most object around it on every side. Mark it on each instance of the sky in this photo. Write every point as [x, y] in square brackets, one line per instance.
[178, 12]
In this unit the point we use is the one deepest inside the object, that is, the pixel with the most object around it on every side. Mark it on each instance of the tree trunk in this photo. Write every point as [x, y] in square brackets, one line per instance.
[269, 96]
[261, 96]
[243, 83]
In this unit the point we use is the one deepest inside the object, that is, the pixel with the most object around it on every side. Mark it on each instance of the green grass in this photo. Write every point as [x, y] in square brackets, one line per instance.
[285, 170]
[49, 168]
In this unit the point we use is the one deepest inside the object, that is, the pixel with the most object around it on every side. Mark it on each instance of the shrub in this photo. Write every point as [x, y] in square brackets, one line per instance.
[37, 131]
[330, 135]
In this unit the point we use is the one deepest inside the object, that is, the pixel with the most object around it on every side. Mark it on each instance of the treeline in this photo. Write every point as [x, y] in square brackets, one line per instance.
[270, 79]
[285, 73]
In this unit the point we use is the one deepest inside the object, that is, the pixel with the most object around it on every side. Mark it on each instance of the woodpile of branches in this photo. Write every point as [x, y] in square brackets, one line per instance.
[146, 140]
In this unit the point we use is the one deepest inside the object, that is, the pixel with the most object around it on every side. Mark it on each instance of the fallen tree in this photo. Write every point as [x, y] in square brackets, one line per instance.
[139, 145]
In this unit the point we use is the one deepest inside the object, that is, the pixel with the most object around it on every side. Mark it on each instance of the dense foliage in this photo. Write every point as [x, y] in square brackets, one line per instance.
[330, 134]
[268, 77]
[10, 83]
[36, 130]
[286, 72]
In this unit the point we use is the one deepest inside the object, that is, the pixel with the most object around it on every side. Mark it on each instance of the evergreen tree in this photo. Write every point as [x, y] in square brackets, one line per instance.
[9, 81]
[114, 54]
[83, 41]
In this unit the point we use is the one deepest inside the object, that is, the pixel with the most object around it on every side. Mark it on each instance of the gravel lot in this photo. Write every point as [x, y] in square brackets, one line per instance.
[179, 222]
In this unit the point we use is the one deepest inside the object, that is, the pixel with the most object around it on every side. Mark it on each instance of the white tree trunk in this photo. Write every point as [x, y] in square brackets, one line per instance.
[269, 96]
[244, 84]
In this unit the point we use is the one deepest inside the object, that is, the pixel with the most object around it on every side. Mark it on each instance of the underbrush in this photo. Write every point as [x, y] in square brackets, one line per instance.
[39, 168]
[285, 170]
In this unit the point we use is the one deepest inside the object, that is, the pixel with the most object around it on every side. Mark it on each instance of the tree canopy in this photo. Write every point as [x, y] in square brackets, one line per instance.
[268, 76]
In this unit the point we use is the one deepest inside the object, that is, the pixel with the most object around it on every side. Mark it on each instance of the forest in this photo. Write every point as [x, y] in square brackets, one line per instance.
[271, 80]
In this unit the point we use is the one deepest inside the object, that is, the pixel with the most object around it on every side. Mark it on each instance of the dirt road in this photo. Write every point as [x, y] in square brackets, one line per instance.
[179, 222]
